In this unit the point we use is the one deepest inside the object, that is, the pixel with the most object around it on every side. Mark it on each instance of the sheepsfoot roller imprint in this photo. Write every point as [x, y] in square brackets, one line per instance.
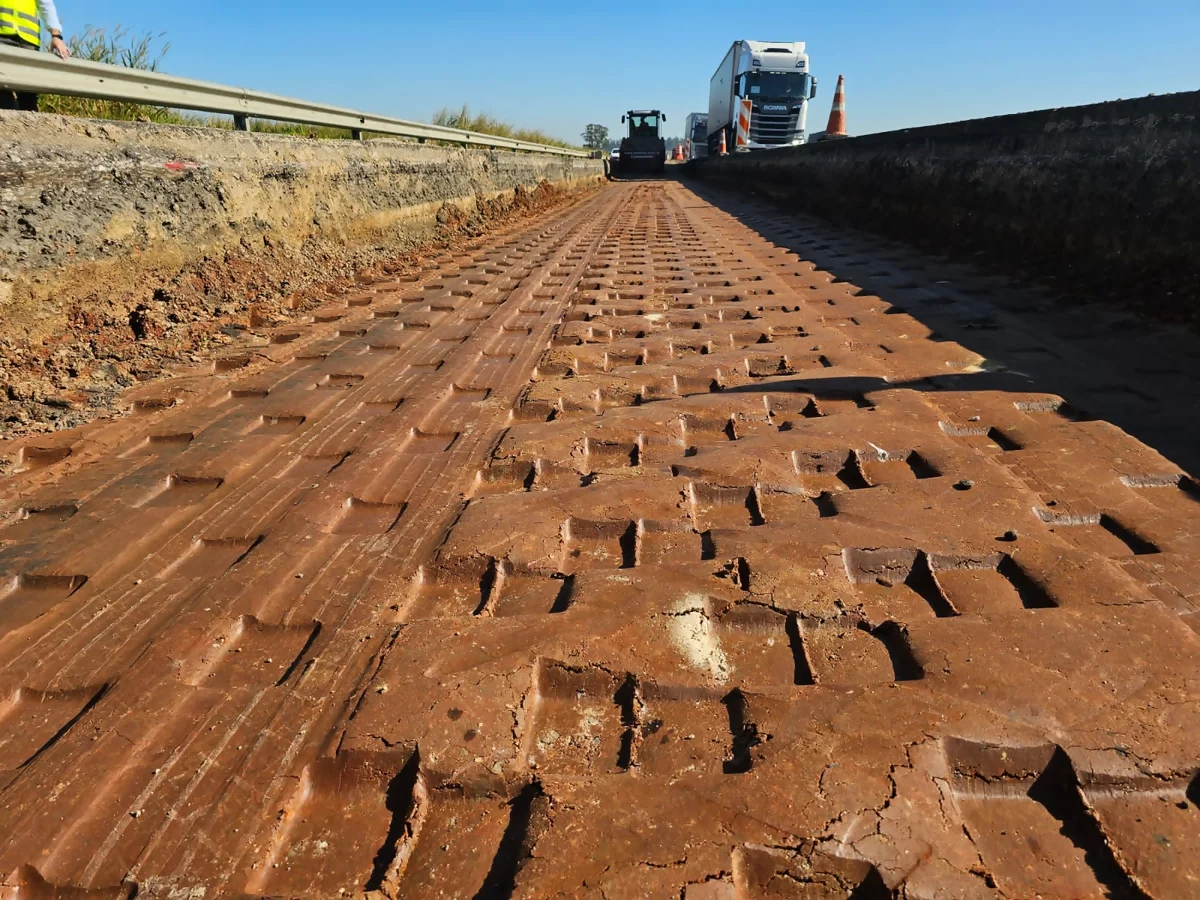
[628, 553]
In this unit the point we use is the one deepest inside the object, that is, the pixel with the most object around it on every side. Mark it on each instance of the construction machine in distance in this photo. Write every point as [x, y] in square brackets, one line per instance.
[643, 148]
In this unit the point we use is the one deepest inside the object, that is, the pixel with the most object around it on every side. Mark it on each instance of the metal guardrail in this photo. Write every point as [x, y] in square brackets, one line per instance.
[43, 73]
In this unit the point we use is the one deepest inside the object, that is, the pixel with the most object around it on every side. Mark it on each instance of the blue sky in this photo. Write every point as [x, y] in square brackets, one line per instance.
[558, 66]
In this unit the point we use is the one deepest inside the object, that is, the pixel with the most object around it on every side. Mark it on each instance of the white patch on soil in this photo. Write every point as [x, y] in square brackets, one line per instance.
[693, 635]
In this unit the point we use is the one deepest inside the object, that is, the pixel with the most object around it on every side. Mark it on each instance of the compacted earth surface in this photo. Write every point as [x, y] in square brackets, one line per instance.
[662, 546]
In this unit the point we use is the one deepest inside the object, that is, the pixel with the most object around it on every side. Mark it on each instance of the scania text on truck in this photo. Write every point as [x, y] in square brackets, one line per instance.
[775, 77]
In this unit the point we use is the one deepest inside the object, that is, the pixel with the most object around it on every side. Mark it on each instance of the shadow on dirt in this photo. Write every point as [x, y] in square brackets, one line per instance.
[1106, 363]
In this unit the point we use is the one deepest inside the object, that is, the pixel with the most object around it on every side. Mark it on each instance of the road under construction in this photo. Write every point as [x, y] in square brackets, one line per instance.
[662, 543]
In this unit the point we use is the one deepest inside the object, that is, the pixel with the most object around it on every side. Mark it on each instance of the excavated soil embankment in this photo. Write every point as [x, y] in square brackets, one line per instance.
[127, 249]
[1096, 203]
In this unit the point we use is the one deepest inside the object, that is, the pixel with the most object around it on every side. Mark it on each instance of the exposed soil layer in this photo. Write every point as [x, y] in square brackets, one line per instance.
[127, 248]
[656, 547]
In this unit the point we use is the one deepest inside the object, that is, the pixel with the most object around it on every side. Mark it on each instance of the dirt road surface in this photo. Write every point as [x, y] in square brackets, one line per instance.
[657, 547]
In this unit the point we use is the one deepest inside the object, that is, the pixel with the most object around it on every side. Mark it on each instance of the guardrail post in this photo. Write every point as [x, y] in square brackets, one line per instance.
[241, 122]
[356, 134]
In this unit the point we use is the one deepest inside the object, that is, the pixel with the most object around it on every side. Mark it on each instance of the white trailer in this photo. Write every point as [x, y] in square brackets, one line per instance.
[775, 78]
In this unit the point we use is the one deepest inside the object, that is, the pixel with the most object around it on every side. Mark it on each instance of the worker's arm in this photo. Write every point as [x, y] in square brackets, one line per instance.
[54, 26]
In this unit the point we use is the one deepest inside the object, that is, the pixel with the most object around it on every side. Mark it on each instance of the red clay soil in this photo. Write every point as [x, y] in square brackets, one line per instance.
[624, 553]
[217, 304]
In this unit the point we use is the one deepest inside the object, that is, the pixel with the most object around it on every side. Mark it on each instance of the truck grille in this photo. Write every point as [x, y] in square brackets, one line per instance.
[772, 127]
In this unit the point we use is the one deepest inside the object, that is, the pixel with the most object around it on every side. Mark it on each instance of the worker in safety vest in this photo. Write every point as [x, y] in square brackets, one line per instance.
[21, 26]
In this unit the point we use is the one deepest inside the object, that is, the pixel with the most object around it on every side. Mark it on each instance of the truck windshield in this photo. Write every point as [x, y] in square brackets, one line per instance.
[775, 85]
[643, 126]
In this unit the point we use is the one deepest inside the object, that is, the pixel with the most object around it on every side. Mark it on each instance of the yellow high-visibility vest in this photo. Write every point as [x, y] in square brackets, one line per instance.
[20, 17]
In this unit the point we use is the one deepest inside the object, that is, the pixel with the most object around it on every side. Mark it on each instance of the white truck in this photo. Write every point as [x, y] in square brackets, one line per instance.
[695, 132]
[775, 77]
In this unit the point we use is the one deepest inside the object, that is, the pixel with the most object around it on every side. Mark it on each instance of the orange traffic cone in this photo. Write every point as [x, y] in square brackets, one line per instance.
[837, 116]
[724, 151]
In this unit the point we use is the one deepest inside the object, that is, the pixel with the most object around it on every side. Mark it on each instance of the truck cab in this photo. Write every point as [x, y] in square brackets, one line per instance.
[775, 78]
[643, 148]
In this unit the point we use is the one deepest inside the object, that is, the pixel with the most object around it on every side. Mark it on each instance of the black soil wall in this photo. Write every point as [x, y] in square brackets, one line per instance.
[1101, 200]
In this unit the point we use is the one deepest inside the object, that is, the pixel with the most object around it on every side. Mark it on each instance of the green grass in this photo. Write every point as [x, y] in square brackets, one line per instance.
[118, 47]
[265, 126]
[485, 124]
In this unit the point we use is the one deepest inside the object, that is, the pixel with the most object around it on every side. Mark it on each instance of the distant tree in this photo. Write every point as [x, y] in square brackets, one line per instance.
[595, 137]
